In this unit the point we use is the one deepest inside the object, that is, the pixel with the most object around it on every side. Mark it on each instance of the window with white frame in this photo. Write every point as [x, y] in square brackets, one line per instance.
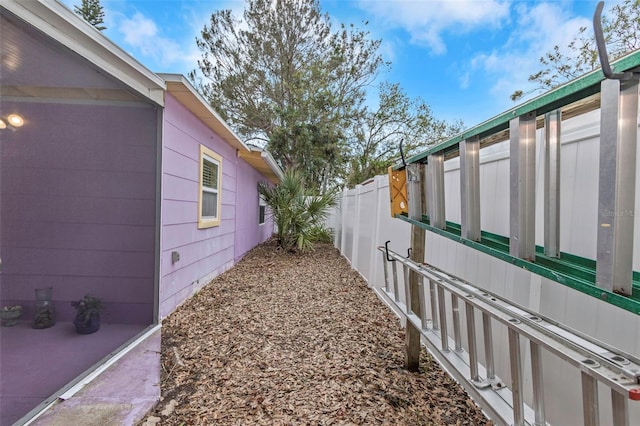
[262, 206]
[210, 188]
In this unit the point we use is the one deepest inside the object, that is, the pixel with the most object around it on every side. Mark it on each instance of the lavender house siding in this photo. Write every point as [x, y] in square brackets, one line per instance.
[248, 232]
[203, 252]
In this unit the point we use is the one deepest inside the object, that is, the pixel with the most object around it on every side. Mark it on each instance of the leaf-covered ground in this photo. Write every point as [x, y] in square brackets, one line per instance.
[296, 339]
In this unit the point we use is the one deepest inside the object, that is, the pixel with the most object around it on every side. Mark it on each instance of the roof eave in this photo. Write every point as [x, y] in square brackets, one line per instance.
[188, 96]
[271, 162]
[262, 161]
[67, 28]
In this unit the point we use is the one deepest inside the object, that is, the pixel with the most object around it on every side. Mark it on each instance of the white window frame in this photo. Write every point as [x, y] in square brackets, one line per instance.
[211, 156]
[261, 203]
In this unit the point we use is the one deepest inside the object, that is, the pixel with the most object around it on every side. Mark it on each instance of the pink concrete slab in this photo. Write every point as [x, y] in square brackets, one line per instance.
[122, 395]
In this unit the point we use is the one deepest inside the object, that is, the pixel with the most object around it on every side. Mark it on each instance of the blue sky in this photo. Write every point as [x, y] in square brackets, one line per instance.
[464, 58]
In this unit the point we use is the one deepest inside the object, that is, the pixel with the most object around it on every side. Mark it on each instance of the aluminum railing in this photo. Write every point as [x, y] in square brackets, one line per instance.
[597, 362]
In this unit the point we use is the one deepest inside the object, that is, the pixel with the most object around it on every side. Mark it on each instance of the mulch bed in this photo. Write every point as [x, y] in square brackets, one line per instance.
[285, 338]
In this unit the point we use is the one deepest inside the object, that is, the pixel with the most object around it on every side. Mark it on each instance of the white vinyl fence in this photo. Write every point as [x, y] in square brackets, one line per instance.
[362, 222]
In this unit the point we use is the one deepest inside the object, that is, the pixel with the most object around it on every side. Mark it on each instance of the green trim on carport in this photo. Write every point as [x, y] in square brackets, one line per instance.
[573, 271]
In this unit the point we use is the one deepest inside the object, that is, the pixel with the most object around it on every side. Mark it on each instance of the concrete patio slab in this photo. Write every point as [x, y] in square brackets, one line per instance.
[122, 395]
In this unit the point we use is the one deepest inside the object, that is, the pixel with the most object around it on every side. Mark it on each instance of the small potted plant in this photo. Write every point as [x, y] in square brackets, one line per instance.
[10, 314]
[87, 318]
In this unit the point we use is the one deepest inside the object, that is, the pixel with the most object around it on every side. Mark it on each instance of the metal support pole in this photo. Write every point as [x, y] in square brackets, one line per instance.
[407, 288]
[416, 195]
[617, 185]
[538, 386]
[620, 408]
[444, 336]
[423, 309]
[471, 336]
[385, 269]
[488, 345]
[456, 322]
[515, 360]
[470, 188]
[434, 305]
[396, 289]
[590, 400]
[435, 184]
[552, 124]
[414, 191]
[522, 133]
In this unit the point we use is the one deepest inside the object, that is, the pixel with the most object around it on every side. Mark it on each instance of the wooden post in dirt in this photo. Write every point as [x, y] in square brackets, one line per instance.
[416, 201]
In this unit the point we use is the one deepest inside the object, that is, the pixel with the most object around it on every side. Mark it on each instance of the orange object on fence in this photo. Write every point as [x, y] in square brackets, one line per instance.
[398, 192]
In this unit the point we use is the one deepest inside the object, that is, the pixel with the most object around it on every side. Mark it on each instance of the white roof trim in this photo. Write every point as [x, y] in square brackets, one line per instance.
[69, 29]
[268, 158]
[227, 133]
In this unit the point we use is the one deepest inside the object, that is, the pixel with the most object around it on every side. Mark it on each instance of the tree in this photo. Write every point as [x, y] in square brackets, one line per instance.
[283, 77]
[91, 11]
[377, 134]
[622, 35]
[298, 213]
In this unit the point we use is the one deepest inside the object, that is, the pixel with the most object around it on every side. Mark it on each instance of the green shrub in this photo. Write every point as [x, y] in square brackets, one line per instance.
[298, 214]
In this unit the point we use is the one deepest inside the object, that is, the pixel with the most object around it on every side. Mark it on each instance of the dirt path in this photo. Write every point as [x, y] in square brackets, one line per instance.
[297, 339]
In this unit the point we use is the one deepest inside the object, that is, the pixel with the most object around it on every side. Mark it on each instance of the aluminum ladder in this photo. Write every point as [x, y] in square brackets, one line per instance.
[442, 327]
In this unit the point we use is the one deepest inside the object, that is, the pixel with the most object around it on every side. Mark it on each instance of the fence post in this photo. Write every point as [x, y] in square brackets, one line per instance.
[415, 189]
[375, 231]
[343, 216]
[355, 247]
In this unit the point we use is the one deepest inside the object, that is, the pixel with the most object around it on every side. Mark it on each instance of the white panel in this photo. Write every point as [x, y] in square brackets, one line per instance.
[562, 389]
[452, 191]
[517, 284]
[539, 171]
[636, 336]
[365, 223]
[483, 271]
[509, 282]
[348, 224]
[501, 206]
[584, 200]
[616, 327]
[535, 292]
[581, 312]
[498, 276]
[636, 214]
[488, 180]
[553, 299]
[461, 264]
[568, 156]
[431, 251]
[397, 231]
[450, 264]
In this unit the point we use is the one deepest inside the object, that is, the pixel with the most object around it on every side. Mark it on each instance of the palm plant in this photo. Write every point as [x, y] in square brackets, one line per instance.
[298, 213]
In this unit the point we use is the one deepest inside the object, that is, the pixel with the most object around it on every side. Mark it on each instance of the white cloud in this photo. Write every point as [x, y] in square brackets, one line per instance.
[426, 21]
[141, 33]
[537, 29]
[388, 49]
[138, 31]
[464, 80]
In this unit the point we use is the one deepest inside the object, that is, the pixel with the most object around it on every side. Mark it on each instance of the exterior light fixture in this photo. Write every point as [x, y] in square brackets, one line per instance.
[15, 120]
[11, 122]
